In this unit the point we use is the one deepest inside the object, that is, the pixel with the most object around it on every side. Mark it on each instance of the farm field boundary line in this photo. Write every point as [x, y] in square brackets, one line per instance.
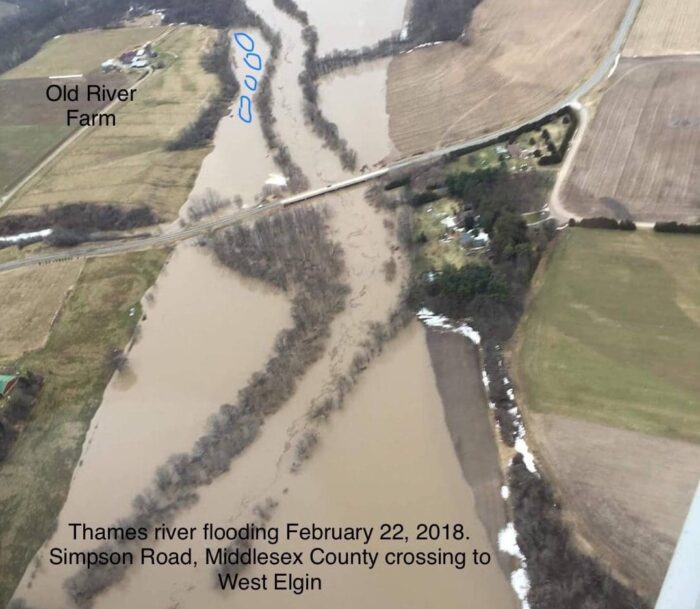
[603, 70]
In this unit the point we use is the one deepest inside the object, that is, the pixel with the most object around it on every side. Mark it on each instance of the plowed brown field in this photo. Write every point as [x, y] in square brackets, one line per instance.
[665, 27]
[640, 157]
[630, 492]
[523, 54]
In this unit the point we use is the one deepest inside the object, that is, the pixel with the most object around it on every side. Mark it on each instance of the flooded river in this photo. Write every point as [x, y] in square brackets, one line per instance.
[351, 25]
[355, 100]
[206, 331]
[241, 164]
[386, 457]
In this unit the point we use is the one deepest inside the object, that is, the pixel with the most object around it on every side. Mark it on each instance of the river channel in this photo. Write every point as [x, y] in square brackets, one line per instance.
[387, 456]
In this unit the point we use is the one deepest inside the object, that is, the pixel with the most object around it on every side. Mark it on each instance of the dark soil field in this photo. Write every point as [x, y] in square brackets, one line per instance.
[628, 493]
[639, 159]
[31, 126]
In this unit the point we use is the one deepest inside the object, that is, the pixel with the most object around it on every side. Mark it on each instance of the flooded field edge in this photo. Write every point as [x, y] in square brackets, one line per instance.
[457, 369]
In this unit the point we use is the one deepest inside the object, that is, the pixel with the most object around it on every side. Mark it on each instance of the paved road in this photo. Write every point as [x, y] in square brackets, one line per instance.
[105, 249]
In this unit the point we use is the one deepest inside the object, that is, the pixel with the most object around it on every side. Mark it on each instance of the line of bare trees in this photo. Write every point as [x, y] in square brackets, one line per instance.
[201, 131]
[324, 128]
[340, 59]
[292, 251]
[209, 203]
[85, 217]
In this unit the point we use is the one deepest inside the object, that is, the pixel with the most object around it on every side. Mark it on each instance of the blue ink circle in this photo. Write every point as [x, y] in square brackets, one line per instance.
[251, 83]
[245, 109]
[241, 38]
[258, 60]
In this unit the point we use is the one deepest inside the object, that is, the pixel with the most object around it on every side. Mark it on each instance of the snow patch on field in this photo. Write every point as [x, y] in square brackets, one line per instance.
[485, 379]
[424, 45]
[522, 447]
[449, 222]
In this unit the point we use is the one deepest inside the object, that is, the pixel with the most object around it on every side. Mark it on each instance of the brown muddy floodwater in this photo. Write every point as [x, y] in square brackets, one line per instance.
[207, 331]
[386, 457]
[361, 116]
[240, 163]
[355, 100]
[351, 25]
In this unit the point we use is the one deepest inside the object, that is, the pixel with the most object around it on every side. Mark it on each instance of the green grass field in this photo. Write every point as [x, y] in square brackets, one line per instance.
[36, 477]
[613, 334]
[82, 52]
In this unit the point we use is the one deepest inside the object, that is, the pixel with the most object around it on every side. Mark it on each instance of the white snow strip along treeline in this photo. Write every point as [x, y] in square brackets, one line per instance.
[507, 537]
[519, 580]
[424, 45]
[449, 222]
[27, 236]
[440, 321]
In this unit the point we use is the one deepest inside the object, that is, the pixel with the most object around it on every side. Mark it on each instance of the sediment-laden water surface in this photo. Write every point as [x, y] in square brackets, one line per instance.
[351, 25]
[240, 164]
[386, 456]
[355, 100]
[206, 331]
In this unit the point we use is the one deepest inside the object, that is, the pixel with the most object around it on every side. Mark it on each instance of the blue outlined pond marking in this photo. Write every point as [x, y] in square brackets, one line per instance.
[253, 62]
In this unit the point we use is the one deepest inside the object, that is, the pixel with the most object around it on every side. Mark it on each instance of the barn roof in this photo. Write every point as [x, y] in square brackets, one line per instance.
[5, 380]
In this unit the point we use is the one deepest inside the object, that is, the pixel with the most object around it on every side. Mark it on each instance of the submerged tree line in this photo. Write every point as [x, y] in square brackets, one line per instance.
[324, 128]
[291, 251]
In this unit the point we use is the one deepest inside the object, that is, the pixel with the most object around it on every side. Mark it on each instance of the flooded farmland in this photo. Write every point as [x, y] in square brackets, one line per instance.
[387, 456]
[355, 100]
